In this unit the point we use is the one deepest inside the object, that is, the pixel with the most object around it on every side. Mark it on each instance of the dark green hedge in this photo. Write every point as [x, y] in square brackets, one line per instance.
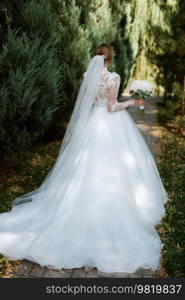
[45, 47]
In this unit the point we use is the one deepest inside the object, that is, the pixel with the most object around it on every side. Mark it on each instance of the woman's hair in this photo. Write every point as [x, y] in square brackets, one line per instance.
[107, 50]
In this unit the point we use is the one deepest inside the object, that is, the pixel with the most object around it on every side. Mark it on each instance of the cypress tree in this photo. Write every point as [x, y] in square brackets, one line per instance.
[82, 26]
[29, 73]
[73, 50]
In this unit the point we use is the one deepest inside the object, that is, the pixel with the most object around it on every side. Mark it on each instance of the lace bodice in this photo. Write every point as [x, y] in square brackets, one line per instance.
[108, 92]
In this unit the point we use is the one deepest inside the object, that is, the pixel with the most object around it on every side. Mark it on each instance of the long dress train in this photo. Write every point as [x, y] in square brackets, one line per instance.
[101, 209]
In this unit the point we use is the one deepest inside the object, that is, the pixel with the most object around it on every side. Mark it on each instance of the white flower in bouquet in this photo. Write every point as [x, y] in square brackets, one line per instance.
[140, 89]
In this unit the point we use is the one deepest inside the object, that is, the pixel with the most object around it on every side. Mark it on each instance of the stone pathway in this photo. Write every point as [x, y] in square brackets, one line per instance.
[151, 132]
[148, 124]
[31, 270]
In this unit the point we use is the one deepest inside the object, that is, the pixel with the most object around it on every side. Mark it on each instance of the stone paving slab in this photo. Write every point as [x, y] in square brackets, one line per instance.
[148, 126]
[92, 274]
[79, 273]
[25, 268]
[37, 271]
[57, 274]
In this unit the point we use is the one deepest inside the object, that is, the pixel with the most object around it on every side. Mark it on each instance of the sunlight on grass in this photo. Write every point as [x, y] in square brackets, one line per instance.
[172, 170]
[16, 189]
[22, 174]
[36, 160]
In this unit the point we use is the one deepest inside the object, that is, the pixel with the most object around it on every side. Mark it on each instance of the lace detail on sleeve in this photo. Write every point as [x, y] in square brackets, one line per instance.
[112, 93]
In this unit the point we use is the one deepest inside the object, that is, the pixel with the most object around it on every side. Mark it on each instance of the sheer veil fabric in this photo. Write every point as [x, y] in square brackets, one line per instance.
[78, 122]
[100, 202]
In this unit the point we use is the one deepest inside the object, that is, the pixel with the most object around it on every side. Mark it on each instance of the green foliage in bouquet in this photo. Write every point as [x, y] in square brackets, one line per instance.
[140, 94]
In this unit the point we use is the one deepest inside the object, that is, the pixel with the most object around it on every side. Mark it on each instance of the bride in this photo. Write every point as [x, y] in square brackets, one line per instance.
[100, 202]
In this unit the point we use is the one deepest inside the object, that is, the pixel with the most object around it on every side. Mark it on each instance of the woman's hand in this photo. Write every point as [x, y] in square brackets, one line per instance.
[138, 102]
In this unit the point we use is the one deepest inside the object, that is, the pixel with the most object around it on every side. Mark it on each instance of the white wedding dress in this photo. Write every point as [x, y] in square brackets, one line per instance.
[100, 210]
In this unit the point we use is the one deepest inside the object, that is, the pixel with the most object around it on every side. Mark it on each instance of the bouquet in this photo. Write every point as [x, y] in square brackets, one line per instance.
[140, 89]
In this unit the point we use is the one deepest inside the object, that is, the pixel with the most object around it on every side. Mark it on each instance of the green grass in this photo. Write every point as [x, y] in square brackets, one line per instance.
[26, 172]
[21, 174]
[172, 230]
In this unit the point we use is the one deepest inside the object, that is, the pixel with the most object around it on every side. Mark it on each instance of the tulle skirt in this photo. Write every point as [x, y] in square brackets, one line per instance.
[98, 208]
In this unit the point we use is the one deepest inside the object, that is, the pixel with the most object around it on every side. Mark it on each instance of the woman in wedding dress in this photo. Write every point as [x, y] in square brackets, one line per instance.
[100, 202]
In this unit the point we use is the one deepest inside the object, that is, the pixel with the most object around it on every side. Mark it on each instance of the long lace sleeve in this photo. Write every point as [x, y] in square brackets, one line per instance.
[112, 94]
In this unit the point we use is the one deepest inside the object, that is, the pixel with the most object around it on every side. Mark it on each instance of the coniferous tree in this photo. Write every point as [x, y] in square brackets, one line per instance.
[73, 51]
[29, 73]
[90, 23]
[67, 32]
[124, 59]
